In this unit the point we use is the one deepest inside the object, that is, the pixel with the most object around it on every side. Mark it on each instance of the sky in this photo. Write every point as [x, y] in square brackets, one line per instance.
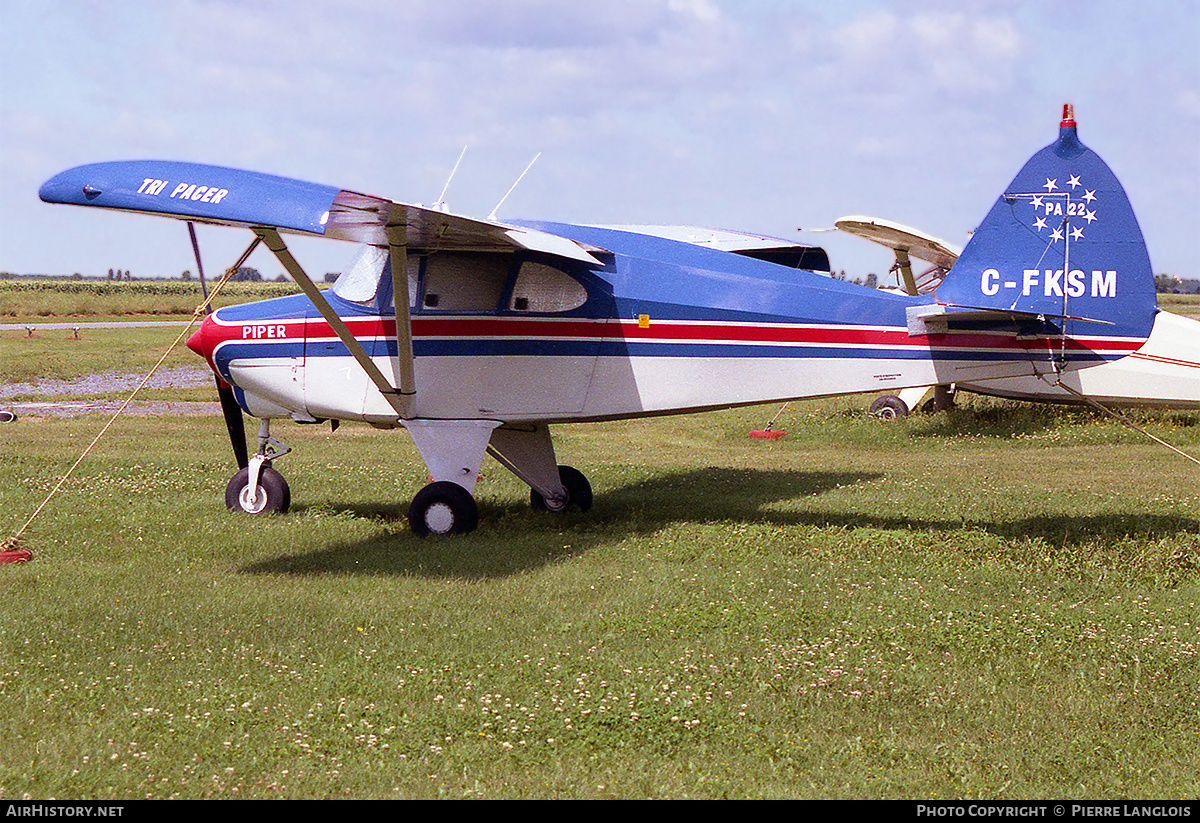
[766, 116]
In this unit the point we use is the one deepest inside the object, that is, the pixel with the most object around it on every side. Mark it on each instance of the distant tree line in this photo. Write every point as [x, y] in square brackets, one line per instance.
[871, 282]
[1170, 284]
[245, 274]
[1163, 283]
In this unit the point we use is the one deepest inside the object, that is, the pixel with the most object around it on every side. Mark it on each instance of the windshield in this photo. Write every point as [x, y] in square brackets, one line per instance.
[368, 280]
[360, 282]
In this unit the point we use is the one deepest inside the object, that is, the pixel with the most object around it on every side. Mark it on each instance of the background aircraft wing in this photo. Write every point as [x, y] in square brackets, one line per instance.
[223, 196]
[901, 238]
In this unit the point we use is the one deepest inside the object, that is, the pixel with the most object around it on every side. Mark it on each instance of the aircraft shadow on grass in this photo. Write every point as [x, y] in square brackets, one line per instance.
[512, 539]
[503, 546]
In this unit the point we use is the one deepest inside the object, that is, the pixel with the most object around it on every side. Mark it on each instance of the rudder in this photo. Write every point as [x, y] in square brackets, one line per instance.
[1062, 241]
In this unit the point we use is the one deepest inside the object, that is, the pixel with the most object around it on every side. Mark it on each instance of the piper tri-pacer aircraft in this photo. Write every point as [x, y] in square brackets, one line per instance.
[478, 335]
[1163, 373]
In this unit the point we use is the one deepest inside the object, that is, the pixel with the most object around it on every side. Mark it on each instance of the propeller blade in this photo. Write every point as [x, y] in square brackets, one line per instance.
[234, 423]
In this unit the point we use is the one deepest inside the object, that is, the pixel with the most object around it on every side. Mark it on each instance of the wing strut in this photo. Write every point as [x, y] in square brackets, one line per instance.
[399, 400]
[905, 266]
[397, 231]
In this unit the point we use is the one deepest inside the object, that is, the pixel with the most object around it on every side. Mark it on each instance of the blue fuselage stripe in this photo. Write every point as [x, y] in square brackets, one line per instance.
[549, 348]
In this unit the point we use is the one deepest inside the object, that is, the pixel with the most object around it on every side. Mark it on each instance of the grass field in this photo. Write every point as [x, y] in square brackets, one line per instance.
[995, 602]
[30, 300]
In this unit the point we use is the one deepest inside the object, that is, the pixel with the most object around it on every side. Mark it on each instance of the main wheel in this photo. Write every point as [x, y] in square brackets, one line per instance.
[443, 508]
[579, 491]
[889, 408]
[271, 497]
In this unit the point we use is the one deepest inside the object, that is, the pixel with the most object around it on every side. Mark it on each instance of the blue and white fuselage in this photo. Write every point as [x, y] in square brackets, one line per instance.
[663, 327]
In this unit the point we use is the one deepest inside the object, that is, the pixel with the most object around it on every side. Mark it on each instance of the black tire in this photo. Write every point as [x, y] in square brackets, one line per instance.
[579, 491]
[889, 407]
[942, 400]
[7, 417]
[443, 508]
[273, 495]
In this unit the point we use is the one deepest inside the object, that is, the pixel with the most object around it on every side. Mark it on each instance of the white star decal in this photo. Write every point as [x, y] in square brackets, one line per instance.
[1090, 196]
[1074, 181]
[1090, 216]
[1051, 185]
[1037, 201]
[1040, 223]
[1056, 235]
[1077, 233]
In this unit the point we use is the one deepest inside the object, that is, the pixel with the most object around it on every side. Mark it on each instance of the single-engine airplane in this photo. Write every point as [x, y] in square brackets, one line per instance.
[1163, 373]
[478, 335]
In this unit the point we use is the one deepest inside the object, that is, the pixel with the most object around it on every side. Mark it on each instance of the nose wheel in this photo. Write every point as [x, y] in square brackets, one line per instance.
[258, 488]
[269, 495]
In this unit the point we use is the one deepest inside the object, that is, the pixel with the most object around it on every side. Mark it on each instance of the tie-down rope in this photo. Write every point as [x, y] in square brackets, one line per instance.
[11, 543]
[1126, 421]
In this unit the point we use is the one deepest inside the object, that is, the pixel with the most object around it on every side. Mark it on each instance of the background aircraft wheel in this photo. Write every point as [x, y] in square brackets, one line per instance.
[934, 405]
[579, 491]
[272, 496]
[443, 508]
[7, 416]
[890, 407]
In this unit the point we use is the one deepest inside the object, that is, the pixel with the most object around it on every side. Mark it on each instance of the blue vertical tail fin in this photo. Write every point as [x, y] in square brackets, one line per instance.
[1062, 241]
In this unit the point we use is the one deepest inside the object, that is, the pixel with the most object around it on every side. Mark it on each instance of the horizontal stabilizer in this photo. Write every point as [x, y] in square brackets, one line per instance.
[936, 318]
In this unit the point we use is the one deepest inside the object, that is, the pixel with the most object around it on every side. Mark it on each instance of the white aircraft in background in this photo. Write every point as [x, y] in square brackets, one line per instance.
[1164, 372]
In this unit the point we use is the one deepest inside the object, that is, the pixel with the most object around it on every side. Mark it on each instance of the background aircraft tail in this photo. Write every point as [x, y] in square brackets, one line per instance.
[1062, 241]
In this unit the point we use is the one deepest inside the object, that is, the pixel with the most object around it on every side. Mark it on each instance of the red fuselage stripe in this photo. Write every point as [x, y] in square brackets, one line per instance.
[462, 328]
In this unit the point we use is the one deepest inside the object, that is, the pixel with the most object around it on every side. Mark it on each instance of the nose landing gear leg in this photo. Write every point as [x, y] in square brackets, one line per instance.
[259, 488]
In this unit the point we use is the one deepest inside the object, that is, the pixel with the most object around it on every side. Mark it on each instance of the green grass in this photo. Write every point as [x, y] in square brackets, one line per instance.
[29, 350]
[1185, 304]
[33, 299]
[999, 602]
[996, 602]
[61, 354]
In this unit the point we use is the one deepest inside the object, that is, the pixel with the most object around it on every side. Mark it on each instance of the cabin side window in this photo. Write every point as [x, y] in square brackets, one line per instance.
[542, 288]
[456, 281]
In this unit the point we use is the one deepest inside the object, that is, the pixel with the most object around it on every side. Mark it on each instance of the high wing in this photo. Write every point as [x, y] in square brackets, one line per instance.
[270, 205]
[905, 242]
[232, 197]
[901, 238]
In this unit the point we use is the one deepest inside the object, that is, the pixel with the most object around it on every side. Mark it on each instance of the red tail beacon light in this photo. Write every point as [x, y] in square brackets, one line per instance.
[1068, 120]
